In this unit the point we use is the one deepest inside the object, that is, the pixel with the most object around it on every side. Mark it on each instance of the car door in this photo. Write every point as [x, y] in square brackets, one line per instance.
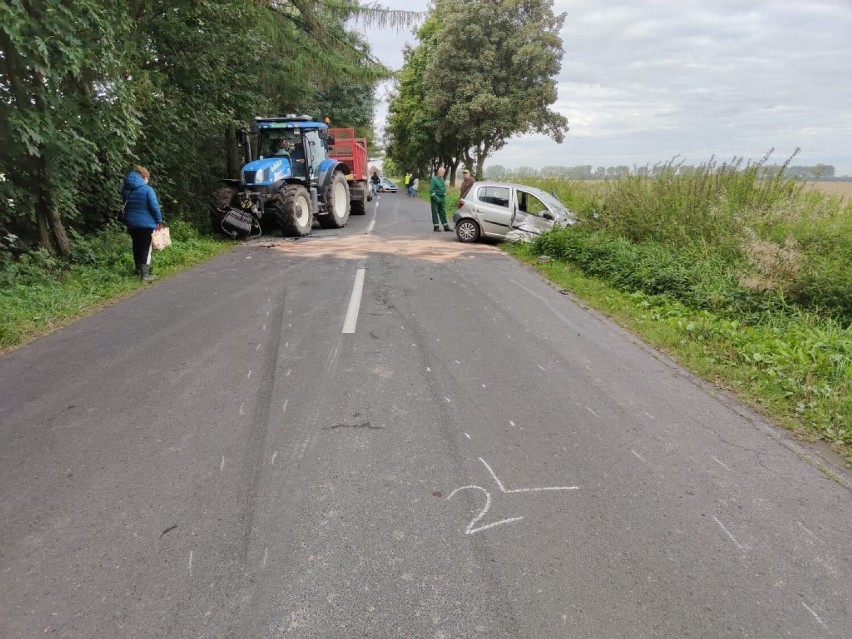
[492, 205]
[531, 214]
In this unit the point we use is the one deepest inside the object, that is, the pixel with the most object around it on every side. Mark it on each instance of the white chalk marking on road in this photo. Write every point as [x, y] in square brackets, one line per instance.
[257, 348]
[222, 465]
[458, 362]
[483, 386]
[354, 302]
[190, 563]
[264, 327]
[470, 530]
[522, 490]
[727, 532]
[448, 400]
[267, 313]
[720, 463]
[649, 415]
[511, 423]
[466, 435]
[274, 455]
[241, 408]
[289, 370]
[593, 412]
[370, 226]
[809, 532]
[588, 367]
[249, 374]
[265, 553]
[637, 454]
[816, 616]
[541, 367]
[428, 370]
[284, 405]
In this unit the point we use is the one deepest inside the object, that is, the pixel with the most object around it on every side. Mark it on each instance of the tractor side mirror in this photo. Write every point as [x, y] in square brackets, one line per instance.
[323, 134]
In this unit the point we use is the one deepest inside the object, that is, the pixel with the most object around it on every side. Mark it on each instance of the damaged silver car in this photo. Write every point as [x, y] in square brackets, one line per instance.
[505, 211]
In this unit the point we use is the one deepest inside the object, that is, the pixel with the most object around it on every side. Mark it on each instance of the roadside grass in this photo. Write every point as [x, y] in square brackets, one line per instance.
[39, 294]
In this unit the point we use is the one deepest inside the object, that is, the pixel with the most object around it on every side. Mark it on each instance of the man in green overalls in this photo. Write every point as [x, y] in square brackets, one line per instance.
[438, 194]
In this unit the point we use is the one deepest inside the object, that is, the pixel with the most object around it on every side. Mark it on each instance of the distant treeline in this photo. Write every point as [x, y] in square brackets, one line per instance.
[824, 172]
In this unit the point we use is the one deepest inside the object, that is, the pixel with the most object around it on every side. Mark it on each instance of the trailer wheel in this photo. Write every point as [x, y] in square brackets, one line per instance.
[336, 203]
[292, 208]
[359, 199]
[223, 198]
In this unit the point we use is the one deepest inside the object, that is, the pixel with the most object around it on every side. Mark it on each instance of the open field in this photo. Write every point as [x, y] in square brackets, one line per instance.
[843, 189]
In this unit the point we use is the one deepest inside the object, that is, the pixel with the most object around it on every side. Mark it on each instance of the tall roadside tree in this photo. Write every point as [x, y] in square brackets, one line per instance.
[491, 74]
[65, 113]
[411, 126]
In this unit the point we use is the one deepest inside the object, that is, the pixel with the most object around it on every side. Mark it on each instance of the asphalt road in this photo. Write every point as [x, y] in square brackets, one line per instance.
[467, 453]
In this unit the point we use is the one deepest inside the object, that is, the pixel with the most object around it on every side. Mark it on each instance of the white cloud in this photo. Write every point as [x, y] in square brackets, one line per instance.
[642, 82]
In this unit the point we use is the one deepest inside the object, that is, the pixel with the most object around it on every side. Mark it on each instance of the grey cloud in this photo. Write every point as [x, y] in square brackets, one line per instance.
[643, 81]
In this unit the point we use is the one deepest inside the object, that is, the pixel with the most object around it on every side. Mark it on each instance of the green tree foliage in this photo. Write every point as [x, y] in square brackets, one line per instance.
[411, 126]
[89, 88]
[66, 116]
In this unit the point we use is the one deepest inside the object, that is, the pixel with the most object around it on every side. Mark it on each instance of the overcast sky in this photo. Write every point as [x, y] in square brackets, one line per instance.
[645, 81]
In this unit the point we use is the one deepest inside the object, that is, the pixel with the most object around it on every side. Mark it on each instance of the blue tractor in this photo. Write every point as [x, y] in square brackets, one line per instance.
[290, 185]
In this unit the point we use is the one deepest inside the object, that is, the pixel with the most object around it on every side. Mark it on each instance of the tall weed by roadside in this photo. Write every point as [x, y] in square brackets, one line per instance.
[775, 238]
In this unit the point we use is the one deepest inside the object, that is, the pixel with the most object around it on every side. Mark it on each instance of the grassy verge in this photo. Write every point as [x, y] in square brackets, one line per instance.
[39, 294]
[793, 366]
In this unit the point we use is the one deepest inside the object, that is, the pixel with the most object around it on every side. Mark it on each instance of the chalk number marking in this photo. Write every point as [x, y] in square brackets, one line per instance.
[471, 527]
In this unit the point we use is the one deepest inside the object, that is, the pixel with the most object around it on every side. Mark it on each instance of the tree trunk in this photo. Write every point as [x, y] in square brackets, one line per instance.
[59, 234]
[51, 231]
[232, 154]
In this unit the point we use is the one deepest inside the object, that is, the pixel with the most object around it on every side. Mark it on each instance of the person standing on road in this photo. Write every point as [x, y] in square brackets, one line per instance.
[466, 183]
[407, 183]
[415, 184]
[375, 180]
[437, 195]
[142, 216]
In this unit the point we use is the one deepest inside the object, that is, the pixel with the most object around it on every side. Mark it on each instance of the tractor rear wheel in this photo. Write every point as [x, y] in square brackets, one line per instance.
[292, 208]
[336, 203]
[222, 199]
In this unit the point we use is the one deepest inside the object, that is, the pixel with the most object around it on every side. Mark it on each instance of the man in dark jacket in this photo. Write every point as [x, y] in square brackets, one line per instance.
[467, 182]
[142, 216]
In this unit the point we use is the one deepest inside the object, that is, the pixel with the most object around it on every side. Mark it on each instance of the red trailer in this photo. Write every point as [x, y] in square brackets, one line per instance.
[352, 151]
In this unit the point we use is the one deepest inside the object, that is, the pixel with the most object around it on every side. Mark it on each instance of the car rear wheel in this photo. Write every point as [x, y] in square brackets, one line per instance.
[467, 231]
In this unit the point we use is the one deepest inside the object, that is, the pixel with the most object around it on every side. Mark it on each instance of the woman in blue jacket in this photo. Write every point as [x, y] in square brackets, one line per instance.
[141, 215]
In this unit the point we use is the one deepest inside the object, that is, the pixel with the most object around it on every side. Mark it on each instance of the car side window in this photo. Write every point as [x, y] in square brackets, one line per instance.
[496, 195]
[530, 204]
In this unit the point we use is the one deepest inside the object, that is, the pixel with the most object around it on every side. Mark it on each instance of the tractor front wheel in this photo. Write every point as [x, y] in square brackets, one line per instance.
[292, 206]
[336, 203]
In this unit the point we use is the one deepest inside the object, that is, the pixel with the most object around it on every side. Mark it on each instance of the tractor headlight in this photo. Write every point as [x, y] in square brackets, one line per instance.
[259, 176]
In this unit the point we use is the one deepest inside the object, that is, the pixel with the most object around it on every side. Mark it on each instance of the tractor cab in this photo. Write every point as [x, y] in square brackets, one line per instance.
[299, 139]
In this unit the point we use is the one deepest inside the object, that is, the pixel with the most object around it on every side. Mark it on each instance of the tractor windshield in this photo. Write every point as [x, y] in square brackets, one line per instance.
[278, 142]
